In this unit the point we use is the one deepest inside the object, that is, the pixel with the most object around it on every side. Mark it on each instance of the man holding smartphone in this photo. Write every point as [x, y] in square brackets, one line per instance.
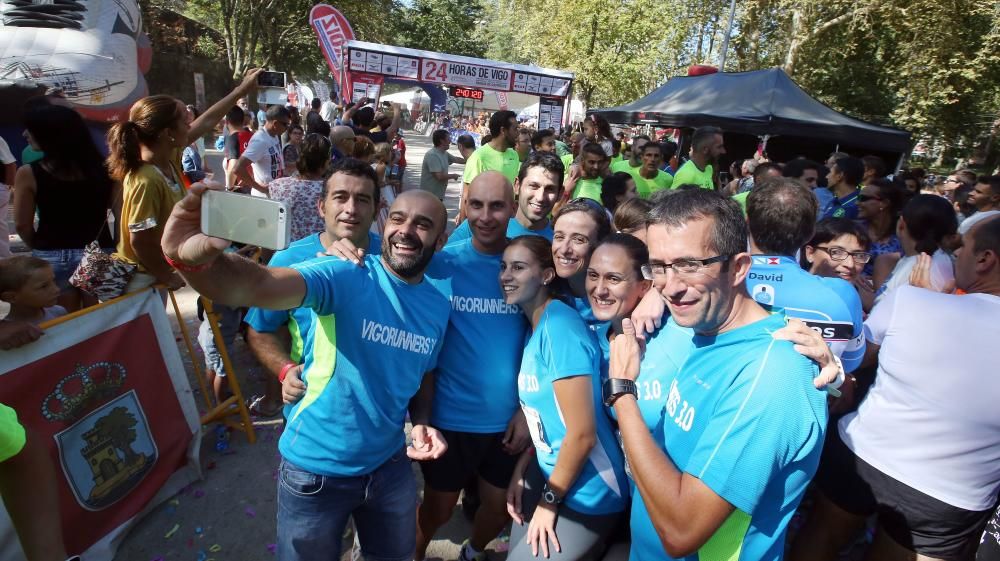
[348, 205]
[263, 154]
[377, 330]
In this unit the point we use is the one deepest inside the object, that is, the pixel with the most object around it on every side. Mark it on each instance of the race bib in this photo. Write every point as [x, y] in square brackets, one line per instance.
[536, 429]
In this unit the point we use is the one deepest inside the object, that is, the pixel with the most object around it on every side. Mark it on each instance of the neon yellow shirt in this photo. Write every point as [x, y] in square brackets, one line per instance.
[487, 158]
[589, 188]
[689, 174]
[646, 187]
[626, 166]
[741, 199]
[12, 436]
[567, 161]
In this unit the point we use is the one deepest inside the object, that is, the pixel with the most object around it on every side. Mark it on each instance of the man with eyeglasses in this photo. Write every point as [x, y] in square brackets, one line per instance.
[781, 215]
[727, 429]
[263, 154]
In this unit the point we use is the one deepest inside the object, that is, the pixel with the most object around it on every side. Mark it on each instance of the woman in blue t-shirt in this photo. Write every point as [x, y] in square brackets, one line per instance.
[615, 285]
[577, 228]
[570, 486]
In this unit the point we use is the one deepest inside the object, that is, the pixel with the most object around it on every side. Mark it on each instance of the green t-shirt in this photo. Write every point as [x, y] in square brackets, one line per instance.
[690, 174]
[589, 188]
[562, 148]
[12, 436]
[626, 166]
[567, 160]
[741, 199]
[617, 158]
[646, 187]
[487, 158]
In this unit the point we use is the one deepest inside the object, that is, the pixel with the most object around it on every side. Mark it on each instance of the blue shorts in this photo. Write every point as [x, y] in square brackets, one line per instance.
[63, 261]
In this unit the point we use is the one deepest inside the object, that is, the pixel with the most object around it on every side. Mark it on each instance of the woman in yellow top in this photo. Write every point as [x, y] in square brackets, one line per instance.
[145, 155]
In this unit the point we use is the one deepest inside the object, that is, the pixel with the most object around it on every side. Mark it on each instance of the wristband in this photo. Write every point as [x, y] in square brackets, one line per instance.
[184, 267]
[284, 371]
[833, 387]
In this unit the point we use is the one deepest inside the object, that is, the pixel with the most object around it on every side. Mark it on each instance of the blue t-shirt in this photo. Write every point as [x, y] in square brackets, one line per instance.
[514, 229]
[476, 378]
[831, 306]
[563, 347]
[373, 339]
[846, 207]
[742, 415]
[824, 198]
[299, 320]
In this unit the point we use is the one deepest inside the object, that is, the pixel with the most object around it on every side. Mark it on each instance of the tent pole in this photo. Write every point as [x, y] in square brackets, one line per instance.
[729, 31]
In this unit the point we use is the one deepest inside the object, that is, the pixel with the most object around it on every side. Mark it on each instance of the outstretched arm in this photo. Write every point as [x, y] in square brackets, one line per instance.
[225, 278]
[207, 121]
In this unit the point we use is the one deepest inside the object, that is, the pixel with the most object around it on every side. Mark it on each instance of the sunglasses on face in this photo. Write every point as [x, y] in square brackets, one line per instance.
[866, 198]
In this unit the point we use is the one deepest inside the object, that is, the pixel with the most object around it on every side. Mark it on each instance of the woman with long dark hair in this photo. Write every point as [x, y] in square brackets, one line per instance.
[145, 155]
[577, 228]
[616, 189]
[70, 190]
[569, 490]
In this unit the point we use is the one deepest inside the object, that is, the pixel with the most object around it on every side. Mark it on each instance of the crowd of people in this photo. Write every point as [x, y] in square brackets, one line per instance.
[616, 353]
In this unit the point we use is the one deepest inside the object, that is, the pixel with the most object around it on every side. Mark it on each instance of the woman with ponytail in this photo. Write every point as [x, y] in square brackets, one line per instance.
[925, 223]
[145, 155]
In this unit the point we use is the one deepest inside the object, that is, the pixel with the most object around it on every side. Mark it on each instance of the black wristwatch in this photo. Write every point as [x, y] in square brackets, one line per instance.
[617, 387]
[550, 496]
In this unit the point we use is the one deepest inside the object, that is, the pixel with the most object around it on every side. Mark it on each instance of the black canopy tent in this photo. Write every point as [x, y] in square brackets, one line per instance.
[761, 103]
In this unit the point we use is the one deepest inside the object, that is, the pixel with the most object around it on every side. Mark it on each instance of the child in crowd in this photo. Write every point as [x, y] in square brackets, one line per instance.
[28, 284]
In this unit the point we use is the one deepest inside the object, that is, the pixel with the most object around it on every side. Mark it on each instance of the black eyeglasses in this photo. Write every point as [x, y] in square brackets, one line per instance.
[865, 198]
[841, 254]
[681, 266]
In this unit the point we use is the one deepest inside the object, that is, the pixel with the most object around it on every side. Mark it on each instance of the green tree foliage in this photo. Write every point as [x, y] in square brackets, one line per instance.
[276, 33]
[619, 49]
[442, 25]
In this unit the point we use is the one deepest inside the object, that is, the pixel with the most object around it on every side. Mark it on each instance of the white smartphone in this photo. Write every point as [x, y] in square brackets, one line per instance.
[245, 219]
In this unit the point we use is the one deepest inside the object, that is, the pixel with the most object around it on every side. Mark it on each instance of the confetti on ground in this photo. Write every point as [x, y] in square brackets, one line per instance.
[215, 548]
[174, 502]
[272, 547]
[198, 530]
[172, 531]
[199, 494]
[250, 512]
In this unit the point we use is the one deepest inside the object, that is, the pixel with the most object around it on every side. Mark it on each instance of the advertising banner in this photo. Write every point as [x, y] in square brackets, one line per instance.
[365, 85]
[108, 393]
[332, 31]
[453, 70]
[550, 113]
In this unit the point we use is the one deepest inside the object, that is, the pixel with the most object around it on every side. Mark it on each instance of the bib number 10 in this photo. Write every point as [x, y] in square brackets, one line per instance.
[435, 71]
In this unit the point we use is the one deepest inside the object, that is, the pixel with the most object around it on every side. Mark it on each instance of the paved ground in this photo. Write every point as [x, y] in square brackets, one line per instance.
[234, 506]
